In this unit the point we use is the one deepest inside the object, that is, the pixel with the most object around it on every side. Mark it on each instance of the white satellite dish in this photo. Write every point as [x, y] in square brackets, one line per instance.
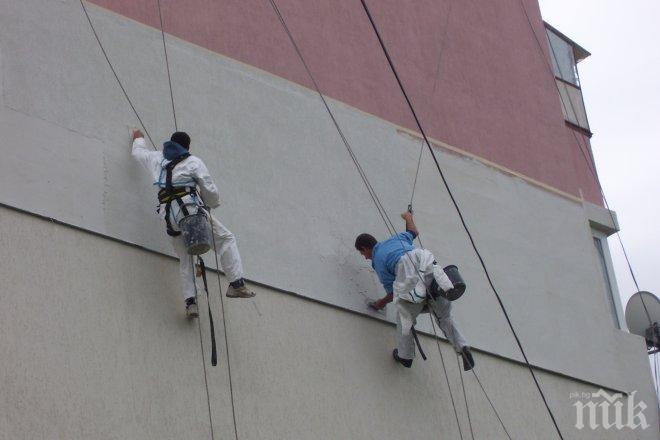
[643, 318]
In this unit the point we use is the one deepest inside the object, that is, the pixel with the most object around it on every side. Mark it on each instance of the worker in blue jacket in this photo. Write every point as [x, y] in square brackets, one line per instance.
[406, 274]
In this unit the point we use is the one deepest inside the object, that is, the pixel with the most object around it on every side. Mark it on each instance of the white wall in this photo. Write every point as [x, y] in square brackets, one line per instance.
[95, 345]
[290, 192]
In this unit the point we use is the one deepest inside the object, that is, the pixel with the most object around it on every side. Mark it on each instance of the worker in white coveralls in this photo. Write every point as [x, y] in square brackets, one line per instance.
[407, 274]
[191, 187]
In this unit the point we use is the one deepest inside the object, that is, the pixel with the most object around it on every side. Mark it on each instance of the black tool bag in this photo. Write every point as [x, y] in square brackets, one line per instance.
[456, 279]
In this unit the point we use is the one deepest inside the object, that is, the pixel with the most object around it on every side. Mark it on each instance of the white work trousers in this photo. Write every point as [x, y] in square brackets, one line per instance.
[411, 297]
[230, 259]
[442, 308]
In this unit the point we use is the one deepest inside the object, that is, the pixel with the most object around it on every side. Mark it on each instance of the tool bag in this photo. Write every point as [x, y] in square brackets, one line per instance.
[195, 224]
[456, 279]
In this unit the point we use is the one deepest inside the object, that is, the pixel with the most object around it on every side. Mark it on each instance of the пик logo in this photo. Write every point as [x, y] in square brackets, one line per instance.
[607, 410]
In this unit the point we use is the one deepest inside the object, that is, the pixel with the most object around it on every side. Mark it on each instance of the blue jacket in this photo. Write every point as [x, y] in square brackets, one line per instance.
[386, 254]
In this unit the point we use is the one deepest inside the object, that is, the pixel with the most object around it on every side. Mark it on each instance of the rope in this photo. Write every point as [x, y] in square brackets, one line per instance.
[381, 210]
[490, 402]
[465, 227]
[590, 160]
[442, 359]
[114, 72]
[467, 407]
[441, 52]
[224, 325]
[167, 65]
[201, 347]
[349, 149]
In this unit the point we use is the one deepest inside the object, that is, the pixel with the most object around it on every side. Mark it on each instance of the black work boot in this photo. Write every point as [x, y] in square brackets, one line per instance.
[468, 360]
[191, 308]
[405, 362]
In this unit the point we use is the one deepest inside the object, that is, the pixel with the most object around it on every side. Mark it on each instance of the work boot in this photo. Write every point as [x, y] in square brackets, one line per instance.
[191, 308]
[468, 360]
[237, 289]
[405, 362]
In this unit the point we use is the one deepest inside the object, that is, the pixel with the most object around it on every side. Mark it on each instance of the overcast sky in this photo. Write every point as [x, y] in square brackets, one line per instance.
[620, 82]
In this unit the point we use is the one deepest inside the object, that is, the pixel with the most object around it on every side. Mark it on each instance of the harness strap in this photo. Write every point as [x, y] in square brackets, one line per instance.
[419, 346]
[168, 169]
[214, 353]
[168, 224]
[182, 206]
[169, 193]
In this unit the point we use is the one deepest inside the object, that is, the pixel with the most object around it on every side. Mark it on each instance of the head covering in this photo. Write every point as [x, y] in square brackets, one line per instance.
[172, 150]
[181, 138]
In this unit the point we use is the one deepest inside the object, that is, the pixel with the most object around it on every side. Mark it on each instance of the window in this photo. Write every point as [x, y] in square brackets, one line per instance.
[563, 59]
[611, 297]
[564, 55]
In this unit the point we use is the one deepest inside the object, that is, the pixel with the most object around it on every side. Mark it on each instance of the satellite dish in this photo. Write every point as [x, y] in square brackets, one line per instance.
[643, 318]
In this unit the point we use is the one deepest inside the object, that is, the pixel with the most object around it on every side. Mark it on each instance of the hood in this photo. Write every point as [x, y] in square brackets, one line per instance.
[172, 150]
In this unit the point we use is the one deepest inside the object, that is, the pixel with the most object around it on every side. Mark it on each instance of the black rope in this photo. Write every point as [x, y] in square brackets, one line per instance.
[167, 65]
[372, 192]
[114, 72]
[224, 325]
[465, 227]
[214, 352]
[442, 359]
[349, 149]
[381, 210]
[591, 165]
[201, 347]
[490, 402]
[467, 406]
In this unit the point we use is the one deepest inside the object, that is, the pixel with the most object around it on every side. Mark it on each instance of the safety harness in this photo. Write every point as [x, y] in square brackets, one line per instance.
[170, 194]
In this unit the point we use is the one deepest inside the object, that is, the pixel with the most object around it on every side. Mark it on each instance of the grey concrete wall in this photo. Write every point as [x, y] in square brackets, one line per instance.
[95, 345]
[290, 192]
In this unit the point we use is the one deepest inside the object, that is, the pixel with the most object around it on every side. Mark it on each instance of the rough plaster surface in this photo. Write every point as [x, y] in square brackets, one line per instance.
[290, 191]
[95, 345]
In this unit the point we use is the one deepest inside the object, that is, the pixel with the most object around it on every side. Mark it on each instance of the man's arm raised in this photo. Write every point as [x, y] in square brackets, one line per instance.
[410, 223]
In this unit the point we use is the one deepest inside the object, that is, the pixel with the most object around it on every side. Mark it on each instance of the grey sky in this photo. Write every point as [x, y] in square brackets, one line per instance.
[620, 86]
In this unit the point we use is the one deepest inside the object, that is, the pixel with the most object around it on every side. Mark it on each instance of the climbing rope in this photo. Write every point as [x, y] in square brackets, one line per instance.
[441, 52]
[460, 214]
[203, 270]
[167, 65]
[490, 402]
[442, 360]
[467, 406]
[372, 193]
[383, 213]
[114, 72]
[349, 149]
[224, 325]
[591, 165]
[201, 349]
[130, 102]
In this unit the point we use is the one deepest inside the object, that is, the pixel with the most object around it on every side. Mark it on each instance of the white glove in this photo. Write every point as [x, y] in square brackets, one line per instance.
[442, 279]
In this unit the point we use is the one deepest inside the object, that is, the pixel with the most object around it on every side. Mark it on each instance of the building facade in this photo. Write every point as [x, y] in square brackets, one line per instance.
[95, 343]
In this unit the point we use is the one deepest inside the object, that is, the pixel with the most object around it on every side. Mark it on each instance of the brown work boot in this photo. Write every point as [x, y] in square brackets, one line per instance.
[237, 289]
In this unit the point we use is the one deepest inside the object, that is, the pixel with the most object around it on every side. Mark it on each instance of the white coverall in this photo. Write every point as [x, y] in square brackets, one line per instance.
[410, 297]
[191, 172]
